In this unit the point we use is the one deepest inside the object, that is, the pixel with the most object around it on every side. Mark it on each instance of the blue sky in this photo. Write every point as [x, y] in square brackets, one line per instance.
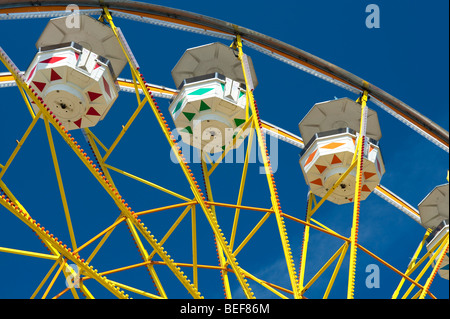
[407, 57]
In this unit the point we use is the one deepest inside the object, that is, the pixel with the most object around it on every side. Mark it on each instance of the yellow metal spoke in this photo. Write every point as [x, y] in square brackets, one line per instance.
[147, 183]
[194, 246]
[194, 187]
[436, 268]
[60, 184]
[324, 267]
[27, 253]
[305, 243]
[336, 270]
[19, 145]
[412, 264]
[42, 283]
[269, 174]
[252, 232]
[124, 129]
[241, 187]
[359, 154]
[220, 252]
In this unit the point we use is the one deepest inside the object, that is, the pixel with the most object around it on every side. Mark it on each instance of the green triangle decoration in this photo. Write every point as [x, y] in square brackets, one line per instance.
[178, 106]
[241, 93]
[201, 91]
[239, 122]
[204, 106]
[187, 129]
[189, 116]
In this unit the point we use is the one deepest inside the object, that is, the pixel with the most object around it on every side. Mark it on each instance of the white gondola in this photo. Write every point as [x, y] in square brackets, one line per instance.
[209, 109]
[433, 211]
[75, 70]
[330, 131]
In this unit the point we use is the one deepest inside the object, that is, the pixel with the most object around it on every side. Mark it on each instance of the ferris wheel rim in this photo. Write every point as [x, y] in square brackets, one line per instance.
[276, 48]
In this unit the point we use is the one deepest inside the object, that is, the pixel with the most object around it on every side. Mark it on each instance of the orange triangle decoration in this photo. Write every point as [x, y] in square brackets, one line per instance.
[310, 157]
[320, 168]
[368, 175]
[317, 182]
[333, 145]
[335, 160]
[365, 189]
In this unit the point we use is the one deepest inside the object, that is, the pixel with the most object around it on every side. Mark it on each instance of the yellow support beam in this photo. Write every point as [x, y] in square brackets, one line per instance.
[441, 257]
[336, 270]
[305, 242]
[147, 183]
[193, 184]
[324, 267]
[269, 174]
[252, 232]
[60, 184]
[194, 246]
[19, 144]
[124, 129]
[412, 264]
[220, 252]
[27, 253]
[241, 187]
[357, 198]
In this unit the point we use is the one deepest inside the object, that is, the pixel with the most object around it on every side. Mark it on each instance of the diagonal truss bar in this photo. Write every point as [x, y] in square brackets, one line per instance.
[60, 184]
[25, 217]
[185, 168]
[269, 174]
[19, 144]
[220, 254]
[104, 182]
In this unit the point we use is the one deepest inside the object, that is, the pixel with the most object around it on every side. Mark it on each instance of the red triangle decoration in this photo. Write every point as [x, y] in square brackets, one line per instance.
[365, 189]
[93, 96]
[40, 85]
[93, 112]
[54, 76]
[96, 66]
[53, 59]
[77, 56]
[78, 123]
[106, 85]
[32, 72]
[317, 182]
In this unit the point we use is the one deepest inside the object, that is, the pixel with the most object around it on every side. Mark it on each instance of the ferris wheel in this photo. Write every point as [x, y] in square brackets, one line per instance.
[133, 189]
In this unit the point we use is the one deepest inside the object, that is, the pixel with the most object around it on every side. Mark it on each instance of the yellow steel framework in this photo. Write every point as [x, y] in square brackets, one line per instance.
[148, 246]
